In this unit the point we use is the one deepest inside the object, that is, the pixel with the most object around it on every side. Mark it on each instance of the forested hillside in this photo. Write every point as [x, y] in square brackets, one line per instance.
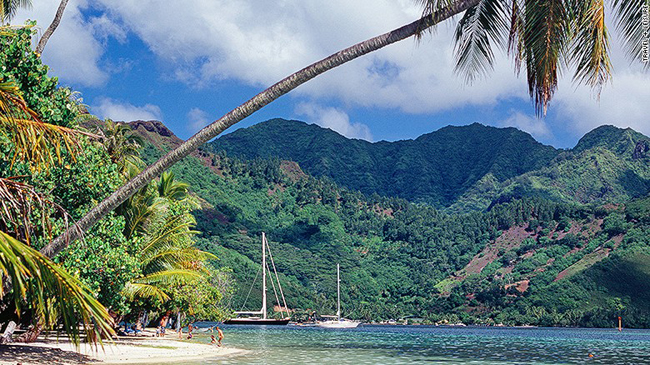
[526, 260]
[459, 169]
[608, 165]
[435, 168]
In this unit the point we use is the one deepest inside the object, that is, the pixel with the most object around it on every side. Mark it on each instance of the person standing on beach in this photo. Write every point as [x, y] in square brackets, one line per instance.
[163, 324]
[220, 334]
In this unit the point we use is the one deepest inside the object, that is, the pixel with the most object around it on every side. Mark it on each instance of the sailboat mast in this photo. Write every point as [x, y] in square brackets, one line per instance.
[263, 275]
[338, 292]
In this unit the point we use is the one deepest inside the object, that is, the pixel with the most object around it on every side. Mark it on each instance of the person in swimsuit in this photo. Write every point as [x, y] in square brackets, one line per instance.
[220, 334]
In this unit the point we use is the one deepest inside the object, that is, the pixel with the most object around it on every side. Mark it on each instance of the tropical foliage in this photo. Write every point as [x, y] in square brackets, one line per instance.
[33, 280]
[51, 173]
[401, 259]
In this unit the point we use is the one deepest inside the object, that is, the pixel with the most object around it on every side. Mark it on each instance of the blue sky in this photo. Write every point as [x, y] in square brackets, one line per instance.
[189, 62]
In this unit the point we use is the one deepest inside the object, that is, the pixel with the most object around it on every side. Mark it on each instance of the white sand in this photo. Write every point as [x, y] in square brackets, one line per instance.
[139, 350]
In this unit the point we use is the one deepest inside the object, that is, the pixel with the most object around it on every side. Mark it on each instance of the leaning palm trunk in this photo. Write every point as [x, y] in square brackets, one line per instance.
[238, 114]
[50, 30]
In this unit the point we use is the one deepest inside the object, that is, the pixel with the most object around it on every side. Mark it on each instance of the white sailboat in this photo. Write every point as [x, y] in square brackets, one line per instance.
[338, 322]
[263, 320]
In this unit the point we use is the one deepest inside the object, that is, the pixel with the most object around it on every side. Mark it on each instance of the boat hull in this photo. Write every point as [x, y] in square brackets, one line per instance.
[258, 321]
[338, 324]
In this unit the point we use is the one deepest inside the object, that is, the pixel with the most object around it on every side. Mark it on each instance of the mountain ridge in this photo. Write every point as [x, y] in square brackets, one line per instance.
[526, 260]
[457, 167]
[414, 169]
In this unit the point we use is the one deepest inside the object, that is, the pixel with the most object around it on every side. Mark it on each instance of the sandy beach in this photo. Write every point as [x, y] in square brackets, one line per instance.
[125, 350]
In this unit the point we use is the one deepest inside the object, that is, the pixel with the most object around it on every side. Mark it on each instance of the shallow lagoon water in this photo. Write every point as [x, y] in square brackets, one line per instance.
[433, 345]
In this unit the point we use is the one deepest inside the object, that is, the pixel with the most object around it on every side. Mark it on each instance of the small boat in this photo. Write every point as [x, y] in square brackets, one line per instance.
[338, 322]
[263, 320]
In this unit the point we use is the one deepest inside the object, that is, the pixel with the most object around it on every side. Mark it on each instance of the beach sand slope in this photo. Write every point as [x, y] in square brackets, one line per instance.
[122, 351]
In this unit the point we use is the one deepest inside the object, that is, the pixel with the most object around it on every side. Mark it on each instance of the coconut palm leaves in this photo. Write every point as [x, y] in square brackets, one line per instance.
[592, 61]
[19, 203]
[39, 284]
[546, 35]
[123, 147]
[631, 19]
[168, 257]
[37, 143]
[8, 8]
[160, 213]
[170, 188]
[477, 30]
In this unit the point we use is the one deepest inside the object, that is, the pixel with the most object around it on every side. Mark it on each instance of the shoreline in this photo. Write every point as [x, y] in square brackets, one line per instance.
[124, 350]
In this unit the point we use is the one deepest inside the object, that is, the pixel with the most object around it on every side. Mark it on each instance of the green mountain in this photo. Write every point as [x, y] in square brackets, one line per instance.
[608, 165]
[459, 168]
[527, 260]
[436, 168]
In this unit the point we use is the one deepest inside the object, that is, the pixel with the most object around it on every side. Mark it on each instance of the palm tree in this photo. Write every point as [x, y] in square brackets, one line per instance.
[122, 146]
[50, 30]
[540, 33]
[168, 257]
[8, 8]
[34, 280]
[167, 253]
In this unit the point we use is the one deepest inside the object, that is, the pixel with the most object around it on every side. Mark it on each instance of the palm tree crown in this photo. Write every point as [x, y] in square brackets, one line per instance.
[545, 36]
[8, 8]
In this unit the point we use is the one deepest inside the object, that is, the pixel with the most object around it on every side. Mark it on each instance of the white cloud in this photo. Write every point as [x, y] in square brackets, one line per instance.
[72, 52]
[625, 103]
[537, 127]
[334, 119]
[198, 119]
[124, 111]
[258, 42]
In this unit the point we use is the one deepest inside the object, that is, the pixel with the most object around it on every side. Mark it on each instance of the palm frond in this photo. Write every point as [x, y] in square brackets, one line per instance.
[631, 19]
[138, 210]
[19, 202]
[480, 27]
[516, 33]
[135, 290]
[183, 258]
[150, 286]
[170, 188]
[8, 8]
[429, 8]
[167, 277]
[38, 143]
[37, 280]
[546, 35]
[590, 45]
[175, 227]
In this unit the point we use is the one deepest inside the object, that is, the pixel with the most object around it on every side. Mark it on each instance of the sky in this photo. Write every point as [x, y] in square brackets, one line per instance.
[189, 62]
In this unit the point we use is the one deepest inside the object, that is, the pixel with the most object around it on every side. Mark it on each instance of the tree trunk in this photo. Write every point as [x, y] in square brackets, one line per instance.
[257, 102]
[50, 30]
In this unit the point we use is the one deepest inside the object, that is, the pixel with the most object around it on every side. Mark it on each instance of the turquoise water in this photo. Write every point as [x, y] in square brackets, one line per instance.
[433, 345]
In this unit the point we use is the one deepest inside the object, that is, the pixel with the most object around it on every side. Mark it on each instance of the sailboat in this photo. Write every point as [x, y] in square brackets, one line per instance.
[338, 322]
[263, 320]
